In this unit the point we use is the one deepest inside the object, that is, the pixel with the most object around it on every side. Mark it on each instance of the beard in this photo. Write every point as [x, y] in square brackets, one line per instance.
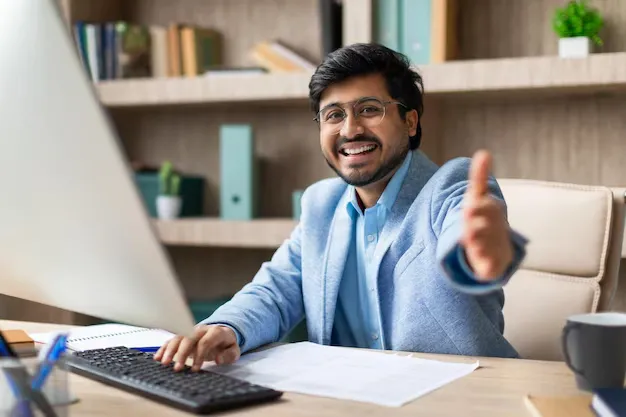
[359, 176]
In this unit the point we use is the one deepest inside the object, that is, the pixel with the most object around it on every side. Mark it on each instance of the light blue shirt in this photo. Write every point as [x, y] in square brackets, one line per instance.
[357, 319]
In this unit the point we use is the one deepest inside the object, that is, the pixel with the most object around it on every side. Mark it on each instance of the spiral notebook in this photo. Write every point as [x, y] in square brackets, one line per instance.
[109, 335]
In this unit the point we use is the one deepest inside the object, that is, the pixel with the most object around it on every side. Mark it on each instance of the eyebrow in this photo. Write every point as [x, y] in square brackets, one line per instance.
[338, 103]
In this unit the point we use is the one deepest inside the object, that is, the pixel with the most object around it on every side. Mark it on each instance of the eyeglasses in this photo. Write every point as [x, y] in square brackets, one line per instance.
[368, 111]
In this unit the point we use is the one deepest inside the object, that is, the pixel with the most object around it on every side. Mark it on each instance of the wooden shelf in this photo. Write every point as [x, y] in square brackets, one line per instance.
[218, 88]
[599, 72]
[261, 233]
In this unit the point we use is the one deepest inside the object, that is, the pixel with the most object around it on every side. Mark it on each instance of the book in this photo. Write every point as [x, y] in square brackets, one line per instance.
[107, 335]
[175, 66]
[94, 49]
[387, 23]
[559, 406]
[423, 30]
[609, 402]
[277, 57]
[201, 50]
[19, 340]
[159, 53]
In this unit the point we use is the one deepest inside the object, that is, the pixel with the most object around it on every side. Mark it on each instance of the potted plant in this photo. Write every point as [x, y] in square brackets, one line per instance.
[577, 25]
[168, 202]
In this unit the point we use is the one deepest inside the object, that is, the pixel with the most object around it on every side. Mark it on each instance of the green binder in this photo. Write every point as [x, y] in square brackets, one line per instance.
[415, 30]
[238, 173]
[387, 23]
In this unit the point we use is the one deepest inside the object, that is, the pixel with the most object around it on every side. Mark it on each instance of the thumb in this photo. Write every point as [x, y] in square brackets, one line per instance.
[479, 173]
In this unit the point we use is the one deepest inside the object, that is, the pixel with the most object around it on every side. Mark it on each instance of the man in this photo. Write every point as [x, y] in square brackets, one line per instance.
[396, 253]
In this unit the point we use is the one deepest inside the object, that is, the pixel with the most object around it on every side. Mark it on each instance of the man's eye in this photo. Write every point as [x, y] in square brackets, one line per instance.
[370, 110]
[334, 115]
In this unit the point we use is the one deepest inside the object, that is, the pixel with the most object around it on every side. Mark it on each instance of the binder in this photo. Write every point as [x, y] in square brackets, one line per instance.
[387, 23]
[238, 173]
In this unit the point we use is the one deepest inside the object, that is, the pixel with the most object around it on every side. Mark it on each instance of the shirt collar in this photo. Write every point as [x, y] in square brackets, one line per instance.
[388, 197]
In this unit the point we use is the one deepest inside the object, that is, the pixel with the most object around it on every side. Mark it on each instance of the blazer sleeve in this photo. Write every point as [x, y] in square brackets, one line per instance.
[447, 224]
[268, 307]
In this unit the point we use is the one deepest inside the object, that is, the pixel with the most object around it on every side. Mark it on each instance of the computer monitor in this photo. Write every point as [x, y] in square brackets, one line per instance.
[74, 232]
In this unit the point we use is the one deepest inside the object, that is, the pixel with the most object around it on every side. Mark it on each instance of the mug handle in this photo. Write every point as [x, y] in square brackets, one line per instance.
[569, 327]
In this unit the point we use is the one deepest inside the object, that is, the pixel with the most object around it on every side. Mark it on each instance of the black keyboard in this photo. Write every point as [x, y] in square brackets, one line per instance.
[199, 392]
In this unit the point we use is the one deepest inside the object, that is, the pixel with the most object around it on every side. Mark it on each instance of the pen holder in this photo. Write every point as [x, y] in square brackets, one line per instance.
[19, 398]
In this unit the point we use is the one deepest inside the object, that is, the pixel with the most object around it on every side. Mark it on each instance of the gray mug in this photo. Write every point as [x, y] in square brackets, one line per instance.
[594, 346]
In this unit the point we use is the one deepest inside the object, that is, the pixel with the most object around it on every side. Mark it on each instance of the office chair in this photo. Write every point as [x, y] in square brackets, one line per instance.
[572, 261]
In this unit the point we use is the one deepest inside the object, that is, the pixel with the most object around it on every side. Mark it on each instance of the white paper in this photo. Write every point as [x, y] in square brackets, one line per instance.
[109, 335]
[349, 374]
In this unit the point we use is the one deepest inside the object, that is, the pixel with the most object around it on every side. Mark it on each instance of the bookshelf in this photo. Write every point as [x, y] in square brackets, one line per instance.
[542, 117]
[541, 75]
[210, 89]
[259, 234]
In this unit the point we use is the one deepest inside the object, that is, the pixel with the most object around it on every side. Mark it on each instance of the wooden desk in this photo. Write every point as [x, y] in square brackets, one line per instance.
[497, 388]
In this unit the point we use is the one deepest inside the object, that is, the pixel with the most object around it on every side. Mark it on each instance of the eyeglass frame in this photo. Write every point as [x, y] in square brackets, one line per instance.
[317, 118]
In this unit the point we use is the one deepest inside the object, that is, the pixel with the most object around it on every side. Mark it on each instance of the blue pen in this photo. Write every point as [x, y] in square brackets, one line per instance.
[50, 361]
[151, 349]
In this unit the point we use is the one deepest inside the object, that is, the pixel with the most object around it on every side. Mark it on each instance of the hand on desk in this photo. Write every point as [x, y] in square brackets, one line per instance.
[209, 342]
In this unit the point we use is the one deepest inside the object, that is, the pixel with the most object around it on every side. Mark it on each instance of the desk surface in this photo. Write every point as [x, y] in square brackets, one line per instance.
[497, 388]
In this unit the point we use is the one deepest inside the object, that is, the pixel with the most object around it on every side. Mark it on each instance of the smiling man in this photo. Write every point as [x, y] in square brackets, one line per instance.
[397, 253]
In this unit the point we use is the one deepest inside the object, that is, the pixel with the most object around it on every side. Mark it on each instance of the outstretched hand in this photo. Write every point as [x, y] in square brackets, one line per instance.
[486, 240]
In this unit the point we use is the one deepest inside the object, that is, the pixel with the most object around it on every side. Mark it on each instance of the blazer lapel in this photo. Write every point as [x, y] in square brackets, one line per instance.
[337, 247]
[420, 171]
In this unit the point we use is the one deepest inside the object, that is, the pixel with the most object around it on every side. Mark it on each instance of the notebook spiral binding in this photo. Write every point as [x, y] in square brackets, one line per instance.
[100, 336]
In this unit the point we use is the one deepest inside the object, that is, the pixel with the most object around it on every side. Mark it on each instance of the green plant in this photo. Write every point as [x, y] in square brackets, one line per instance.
[577, 18]
[169, 180]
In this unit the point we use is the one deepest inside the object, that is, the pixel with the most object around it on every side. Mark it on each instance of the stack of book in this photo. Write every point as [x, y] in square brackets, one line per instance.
[275, 56]
[117, 50]
[424, 30]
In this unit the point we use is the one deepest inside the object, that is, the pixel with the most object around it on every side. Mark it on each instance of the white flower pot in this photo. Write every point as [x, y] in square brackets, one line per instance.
[168, 207]
[578, 47]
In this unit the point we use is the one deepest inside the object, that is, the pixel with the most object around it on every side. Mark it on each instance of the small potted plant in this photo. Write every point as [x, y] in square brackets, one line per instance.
[578, 26]
[168, 202]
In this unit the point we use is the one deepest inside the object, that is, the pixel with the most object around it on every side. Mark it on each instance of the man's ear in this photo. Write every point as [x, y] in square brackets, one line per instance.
[411, 120]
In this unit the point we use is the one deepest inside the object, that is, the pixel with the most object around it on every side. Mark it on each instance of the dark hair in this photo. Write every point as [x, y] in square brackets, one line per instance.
[403, 84]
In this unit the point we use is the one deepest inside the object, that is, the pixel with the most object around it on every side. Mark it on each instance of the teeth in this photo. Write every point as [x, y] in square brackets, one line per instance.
[357, 151]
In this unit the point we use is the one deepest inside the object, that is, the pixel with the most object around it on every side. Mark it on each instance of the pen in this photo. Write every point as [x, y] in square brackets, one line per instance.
[151, 349]
[54, 354]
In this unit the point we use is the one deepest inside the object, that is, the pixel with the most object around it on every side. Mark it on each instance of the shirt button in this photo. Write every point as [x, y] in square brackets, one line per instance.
[372, 289]
[375, 336]
[370, 238]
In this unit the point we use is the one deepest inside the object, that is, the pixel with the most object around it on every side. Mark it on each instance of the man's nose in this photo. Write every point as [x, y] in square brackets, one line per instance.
[351, 127]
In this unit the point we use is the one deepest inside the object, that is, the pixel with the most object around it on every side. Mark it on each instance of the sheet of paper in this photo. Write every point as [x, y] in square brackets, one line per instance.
[109, 335]
[350, 374]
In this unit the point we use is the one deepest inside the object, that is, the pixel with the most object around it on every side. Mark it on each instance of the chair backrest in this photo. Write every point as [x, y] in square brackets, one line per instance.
[575, 237]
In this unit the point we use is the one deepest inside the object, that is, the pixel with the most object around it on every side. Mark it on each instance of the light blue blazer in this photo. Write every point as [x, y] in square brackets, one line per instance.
[423, 307]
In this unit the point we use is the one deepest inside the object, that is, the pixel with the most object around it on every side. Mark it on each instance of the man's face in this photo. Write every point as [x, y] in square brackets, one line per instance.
[367, 148]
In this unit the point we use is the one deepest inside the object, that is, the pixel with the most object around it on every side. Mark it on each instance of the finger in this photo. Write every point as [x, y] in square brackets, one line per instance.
[478, 229]
[213, 339]
[159, 353]
[484, 207]
[228, 356]
[170, 350]
[479, 173]
[205, 345]
[187, 346]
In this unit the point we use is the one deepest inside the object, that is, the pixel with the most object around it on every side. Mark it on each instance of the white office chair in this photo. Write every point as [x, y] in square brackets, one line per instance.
[572, 264]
